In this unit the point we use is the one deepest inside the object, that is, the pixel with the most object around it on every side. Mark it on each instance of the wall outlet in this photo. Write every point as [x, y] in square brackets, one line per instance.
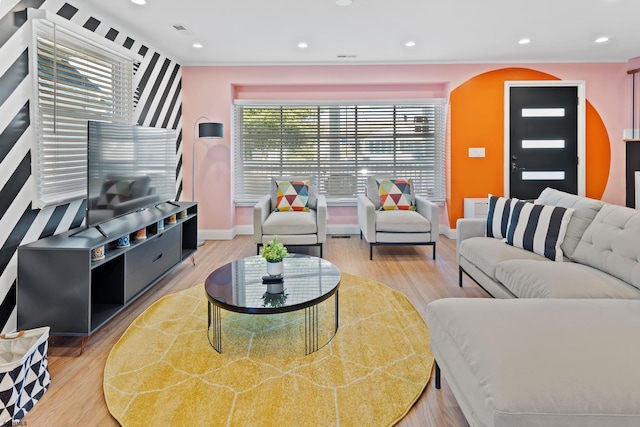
[476, 152]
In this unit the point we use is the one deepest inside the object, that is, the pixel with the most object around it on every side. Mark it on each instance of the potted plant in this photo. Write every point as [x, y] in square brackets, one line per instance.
[274, 252]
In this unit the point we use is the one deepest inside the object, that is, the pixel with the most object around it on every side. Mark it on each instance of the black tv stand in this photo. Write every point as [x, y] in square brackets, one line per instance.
[83, 232]
[97, 227]
[60, 286]
[101, 231]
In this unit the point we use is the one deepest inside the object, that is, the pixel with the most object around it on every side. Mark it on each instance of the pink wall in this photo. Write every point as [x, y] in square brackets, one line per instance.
[210, 92]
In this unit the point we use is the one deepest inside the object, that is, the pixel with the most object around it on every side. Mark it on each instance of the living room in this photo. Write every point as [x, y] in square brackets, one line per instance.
[176, 95]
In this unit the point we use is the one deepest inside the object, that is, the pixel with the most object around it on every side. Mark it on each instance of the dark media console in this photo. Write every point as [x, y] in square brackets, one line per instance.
[60, 286]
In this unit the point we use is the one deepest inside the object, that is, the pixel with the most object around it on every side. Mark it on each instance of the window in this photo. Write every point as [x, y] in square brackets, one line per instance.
[76, 81]
[340, 145]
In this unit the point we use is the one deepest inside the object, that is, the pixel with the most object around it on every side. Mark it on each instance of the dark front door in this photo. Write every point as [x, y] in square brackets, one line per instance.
[543, 140]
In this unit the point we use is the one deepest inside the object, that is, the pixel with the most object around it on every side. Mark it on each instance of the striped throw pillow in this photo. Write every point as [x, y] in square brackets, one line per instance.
[538, 228]
[498, 216]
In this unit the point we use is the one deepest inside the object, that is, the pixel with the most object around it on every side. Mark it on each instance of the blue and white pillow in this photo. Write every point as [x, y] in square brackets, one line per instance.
[498, 216]
[538, 228]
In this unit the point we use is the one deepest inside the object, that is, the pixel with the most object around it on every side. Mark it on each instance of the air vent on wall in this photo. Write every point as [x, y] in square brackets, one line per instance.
[347, 56]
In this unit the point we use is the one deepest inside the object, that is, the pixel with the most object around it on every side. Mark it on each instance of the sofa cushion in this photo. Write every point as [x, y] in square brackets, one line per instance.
[585, 210]
[284, 223]
[538, 228]
[540, 362]
[401, 221]
[292, 196]
[486, 253]
[371, 191]
[546, 279]
[313, 189]
[498, 216]
[396, 194]
[612, 243]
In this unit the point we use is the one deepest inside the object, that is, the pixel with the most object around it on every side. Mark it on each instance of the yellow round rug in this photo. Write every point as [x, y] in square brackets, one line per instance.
[163, 371]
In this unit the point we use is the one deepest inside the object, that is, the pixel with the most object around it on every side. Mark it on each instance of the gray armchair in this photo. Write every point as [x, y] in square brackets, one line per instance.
[292, 228]
[397, 227]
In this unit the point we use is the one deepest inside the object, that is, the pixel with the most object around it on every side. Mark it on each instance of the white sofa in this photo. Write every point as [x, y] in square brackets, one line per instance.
[536, 362]
[601, 255]
[558, 346]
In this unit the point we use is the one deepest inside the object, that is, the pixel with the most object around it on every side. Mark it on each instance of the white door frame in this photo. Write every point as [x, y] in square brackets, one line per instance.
[582, 160]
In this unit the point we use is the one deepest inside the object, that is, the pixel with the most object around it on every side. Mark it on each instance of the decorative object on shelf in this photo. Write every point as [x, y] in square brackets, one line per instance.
[97, 253]
[141, 234]
[182, 214]
[206, 130]
[171, 220]
[123, 242]
[274, 252]
[274, 299]
[161, 224]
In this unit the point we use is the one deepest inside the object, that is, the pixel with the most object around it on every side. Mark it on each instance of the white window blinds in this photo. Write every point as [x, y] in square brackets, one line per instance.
[340, 145]
[76, 80]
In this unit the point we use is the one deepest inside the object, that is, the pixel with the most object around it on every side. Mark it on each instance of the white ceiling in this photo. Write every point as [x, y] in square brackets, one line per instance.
[250, 32]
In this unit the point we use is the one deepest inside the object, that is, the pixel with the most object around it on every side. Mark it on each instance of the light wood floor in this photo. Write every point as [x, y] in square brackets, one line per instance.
[75, 397]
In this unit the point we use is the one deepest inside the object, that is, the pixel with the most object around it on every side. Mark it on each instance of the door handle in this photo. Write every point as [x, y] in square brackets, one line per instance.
[515, 168]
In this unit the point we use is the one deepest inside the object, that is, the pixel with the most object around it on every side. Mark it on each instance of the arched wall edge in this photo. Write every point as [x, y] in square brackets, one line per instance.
[477, 120]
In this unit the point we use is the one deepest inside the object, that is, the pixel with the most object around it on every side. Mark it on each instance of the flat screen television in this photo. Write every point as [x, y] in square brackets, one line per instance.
[129, 168]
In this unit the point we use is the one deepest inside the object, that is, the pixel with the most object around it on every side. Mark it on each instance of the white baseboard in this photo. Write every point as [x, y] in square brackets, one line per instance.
[331, 229]
[343, 229]
[247, 230]
[448, 232]
[244, 230]
[217, 234]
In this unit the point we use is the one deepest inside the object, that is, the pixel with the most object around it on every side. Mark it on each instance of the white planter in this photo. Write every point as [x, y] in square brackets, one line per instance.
[275, 268]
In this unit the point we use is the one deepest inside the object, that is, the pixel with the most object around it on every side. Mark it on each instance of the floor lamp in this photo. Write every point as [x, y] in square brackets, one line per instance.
[206, 130]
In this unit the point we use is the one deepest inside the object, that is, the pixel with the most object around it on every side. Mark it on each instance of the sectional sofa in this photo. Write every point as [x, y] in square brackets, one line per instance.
[600, 250]
[559, 345]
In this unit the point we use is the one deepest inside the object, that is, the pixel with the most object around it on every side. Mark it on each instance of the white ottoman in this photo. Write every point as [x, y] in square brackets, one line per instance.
[540, 362]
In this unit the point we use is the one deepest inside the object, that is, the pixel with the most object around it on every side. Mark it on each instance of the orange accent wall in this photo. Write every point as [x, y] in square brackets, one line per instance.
[477, 120]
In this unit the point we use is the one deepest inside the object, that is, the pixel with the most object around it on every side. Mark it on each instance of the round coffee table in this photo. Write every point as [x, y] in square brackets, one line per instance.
[239, 287]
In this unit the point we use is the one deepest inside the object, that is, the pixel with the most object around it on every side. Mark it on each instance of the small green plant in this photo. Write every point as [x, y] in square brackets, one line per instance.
[274, 251]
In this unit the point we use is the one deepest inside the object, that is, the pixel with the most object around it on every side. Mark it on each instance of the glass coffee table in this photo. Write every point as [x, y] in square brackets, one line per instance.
[239, 287]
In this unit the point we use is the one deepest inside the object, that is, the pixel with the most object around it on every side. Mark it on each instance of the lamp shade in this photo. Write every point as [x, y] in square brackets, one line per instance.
[210, 130]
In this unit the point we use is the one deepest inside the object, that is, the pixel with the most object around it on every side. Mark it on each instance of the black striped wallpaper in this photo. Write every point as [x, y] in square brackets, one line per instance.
[157, 101]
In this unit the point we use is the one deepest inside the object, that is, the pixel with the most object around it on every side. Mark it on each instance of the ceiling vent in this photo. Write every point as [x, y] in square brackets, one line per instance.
[347, 56]
[180, 27]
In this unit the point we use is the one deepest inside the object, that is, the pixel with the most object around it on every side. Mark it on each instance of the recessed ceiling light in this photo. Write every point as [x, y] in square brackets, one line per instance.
[344, 2]
[602, 39]
[197, 45]
[303, 45]
[410, 43]
[139, 1]
[524, 41]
